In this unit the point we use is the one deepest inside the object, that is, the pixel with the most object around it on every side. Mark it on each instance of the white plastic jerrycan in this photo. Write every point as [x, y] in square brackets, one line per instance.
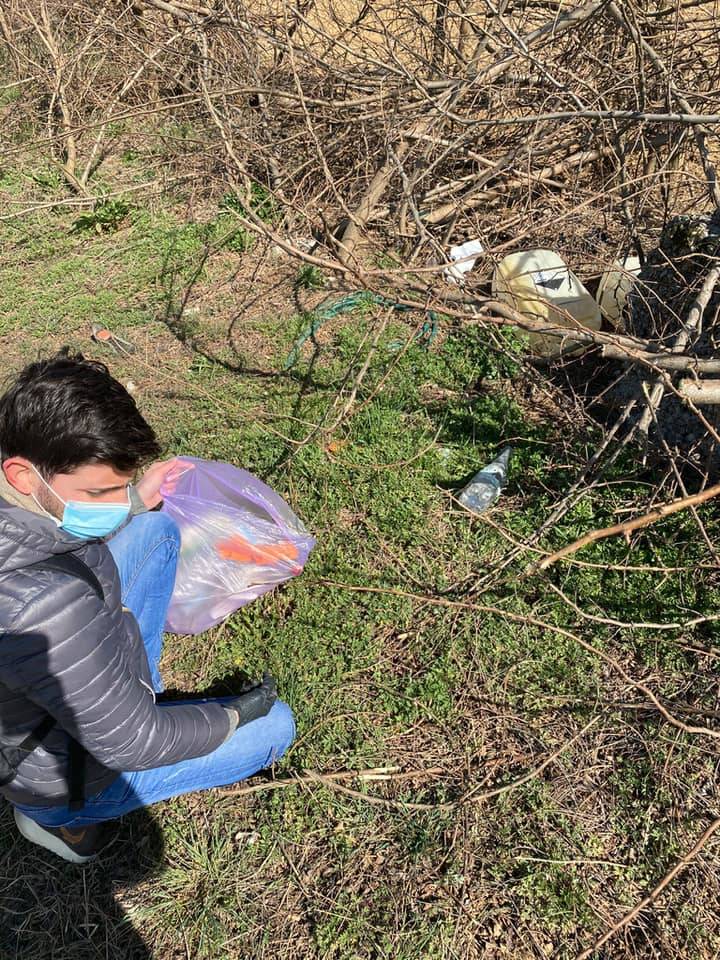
[614, 288]
[539, 284]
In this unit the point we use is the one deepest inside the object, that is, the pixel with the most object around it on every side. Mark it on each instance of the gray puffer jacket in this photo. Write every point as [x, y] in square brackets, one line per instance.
[65, 653]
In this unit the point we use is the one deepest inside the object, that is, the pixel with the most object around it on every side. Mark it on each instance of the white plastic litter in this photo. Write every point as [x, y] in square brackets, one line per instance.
[540, 285]
[614, 288]
[464, 257]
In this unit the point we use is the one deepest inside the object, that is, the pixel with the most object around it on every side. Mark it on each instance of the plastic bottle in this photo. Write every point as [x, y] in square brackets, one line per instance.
[484, 488]
[539, 284]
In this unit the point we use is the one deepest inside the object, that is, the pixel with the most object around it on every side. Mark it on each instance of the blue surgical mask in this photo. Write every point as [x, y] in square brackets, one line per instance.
[88, 521]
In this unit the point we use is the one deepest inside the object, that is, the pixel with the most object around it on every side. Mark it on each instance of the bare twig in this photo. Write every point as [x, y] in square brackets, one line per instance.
[626, 528]
[530, 620]
[334, 781]
[678, 868]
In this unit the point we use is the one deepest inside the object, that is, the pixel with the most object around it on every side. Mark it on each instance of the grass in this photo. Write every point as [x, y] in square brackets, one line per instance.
[377, 646]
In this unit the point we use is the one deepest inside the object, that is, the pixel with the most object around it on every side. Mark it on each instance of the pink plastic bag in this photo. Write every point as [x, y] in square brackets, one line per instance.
[239, 539]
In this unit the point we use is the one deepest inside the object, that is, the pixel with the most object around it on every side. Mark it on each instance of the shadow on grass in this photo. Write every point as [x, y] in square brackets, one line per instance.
[177, 289]
[230, 685]
[53, 909]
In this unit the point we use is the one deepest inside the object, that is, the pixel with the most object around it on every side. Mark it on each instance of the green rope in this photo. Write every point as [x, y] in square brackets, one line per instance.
[361, 298]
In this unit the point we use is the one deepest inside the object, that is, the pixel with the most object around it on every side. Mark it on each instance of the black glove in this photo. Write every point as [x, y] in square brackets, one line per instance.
[255, 702]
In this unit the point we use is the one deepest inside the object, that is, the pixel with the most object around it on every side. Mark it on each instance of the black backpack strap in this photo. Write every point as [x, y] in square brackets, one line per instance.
[70, 564]
[36, 737]
[76, 774]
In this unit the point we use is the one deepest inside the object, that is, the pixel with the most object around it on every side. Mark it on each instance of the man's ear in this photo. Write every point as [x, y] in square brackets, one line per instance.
[20, 475]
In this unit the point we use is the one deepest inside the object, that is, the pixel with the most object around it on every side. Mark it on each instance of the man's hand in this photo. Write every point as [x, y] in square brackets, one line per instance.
[161, 475]
[256, 702]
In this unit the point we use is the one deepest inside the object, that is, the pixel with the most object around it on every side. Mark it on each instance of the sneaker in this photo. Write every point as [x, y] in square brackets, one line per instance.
[75, 844]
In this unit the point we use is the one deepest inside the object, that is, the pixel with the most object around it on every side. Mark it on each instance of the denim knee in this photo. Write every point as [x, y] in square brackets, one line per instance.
[283, 732]
[156, 525]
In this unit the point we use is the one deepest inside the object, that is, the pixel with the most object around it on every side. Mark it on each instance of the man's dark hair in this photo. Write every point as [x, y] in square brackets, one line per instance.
[66, 411]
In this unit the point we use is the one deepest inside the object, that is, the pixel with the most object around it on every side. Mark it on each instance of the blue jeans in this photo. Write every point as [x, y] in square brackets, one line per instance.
[145, 552]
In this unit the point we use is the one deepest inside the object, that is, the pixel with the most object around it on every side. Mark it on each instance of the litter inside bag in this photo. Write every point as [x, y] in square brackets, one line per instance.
[239, 539]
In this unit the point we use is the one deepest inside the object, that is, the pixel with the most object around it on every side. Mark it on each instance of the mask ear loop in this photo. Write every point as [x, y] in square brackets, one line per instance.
[54, 519]
[53, 492]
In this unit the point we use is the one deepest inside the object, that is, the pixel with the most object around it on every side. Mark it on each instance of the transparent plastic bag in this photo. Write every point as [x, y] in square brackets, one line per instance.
[239, 539]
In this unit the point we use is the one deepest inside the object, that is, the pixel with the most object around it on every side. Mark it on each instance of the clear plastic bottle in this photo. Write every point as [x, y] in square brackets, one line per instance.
[484, 488]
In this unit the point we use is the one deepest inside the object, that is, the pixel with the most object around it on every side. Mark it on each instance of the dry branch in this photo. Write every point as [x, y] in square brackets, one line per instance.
[529, 620]
[437, 114]
[626, 528]
[700, 391]
[547, 175]
[678, 868]
[710, 173]
[335, 781]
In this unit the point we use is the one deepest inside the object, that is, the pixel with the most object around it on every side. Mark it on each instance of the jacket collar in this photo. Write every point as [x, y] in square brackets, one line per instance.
[17, 499]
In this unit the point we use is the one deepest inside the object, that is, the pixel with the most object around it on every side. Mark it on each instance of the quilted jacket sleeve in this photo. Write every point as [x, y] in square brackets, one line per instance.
[66, 654]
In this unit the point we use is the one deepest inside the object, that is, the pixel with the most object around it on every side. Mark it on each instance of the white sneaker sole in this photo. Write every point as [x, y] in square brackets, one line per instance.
[33, 832]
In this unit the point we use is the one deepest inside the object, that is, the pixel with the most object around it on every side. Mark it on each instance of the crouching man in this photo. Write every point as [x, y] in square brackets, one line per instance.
[87, 568]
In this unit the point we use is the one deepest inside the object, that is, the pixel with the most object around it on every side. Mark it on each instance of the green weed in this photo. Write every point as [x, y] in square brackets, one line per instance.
[310, 277]
[106, 216]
